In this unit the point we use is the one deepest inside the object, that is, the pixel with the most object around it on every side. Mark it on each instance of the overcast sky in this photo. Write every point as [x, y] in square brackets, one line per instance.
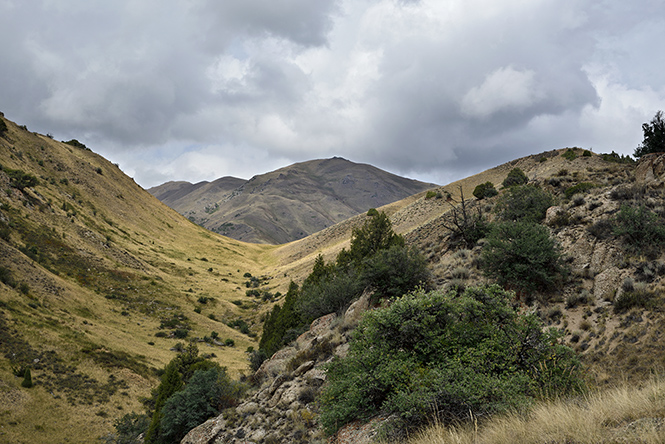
[430, 89]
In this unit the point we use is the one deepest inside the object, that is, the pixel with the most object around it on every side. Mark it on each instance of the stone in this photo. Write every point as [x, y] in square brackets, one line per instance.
[606, 284]
[303, 368]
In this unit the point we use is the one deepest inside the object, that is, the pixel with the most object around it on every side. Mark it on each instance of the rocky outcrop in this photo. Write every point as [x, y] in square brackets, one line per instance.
[650, 168]
[282, 409]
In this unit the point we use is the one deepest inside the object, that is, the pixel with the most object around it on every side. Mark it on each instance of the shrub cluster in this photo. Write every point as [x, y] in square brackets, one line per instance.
[485, 190]
[523, 256]
[525, 203]
[377, 261]
[192, 389]
[515, 177]
[463, 353]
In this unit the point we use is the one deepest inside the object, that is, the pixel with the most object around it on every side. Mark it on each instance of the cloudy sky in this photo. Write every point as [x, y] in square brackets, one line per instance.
[430, 89]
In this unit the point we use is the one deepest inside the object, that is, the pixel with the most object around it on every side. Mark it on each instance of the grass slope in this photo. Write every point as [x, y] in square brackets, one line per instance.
[93, 267]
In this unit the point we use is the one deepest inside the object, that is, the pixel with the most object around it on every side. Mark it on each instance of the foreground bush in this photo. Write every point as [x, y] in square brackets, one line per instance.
[444, 356]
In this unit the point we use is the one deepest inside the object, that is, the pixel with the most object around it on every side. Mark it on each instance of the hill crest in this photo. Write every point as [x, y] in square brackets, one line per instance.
[289, 203]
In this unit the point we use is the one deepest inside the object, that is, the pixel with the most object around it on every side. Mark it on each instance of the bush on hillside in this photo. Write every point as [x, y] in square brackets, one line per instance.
[581, 187]
[20, 179]
[176, 377]
[523, 257]
[470, 353]
[515, 177]
[207, 394]
[393, 272]
[525, 203]
[485, 190]
[3, 127]
[642, 230]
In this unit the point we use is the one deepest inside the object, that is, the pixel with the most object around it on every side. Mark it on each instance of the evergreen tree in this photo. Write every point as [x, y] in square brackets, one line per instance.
[654, 136]
[27, 379]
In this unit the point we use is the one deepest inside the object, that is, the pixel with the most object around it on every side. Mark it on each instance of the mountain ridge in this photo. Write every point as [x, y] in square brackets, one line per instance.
[289, 203]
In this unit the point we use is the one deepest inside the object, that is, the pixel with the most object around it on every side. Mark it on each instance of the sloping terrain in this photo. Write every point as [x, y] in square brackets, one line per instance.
[289, 203]
[99, 281]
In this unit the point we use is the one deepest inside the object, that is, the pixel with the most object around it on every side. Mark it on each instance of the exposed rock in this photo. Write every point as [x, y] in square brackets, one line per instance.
[606, 284]
[650, 168]
[552, 214]
[280, 411]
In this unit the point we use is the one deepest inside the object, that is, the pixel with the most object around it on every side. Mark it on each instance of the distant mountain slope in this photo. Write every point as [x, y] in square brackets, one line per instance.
[289, 203]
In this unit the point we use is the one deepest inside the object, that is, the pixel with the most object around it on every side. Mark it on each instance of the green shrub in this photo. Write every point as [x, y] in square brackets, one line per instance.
[616, 158]
[256, 358]
[524, 203]
[570, 154]
[586, 153]
[643, 231]
[470, 353]
[20, 179]
[3, 127]
[635, 297]
[281, 320]
[515, 177]
[207, 394]
[485, 190]
[393, 272]
[27, 379]
[128, 428]
[522, 256]
[581, 187]
[431, 194]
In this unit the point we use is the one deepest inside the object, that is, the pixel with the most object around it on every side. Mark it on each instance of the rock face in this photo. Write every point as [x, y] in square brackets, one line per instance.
[282, 409]
[650, 168]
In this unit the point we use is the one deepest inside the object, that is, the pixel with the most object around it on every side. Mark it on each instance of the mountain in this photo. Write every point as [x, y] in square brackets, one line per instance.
[289, 203]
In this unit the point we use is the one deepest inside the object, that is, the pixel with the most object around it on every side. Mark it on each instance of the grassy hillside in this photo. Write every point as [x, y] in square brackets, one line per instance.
[97, 278]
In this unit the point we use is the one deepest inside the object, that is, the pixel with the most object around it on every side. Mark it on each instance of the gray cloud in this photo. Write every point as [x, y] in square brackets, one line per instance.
[432, 89]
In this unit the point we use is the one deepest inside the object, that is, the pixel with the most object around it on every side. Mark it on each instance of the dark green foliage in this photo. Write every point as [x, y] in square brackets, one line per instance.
[280, 322]
[581, 187]
[586, 153]
[27, 378]
[443, 356]
[616, 158]
[207, 393]
[515, 177]
[643, 231]
[654, 137]
[256, 358]
[375, 234]
[570, 154]
[20, 179]
[431, 194]
[522, 256]
[372, 212]
[239, 324]
[636, 297]
[524, 203]
[331, 293]
[176, 376]
[7, 278]
[485, 190]
[393, 272]
[5, 231]
[3, 127]
[77, 144]
[128, 428]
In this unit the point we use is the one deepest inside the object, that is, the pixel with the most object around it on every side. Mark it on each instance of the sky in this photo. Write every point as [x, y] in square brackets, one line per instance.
[435, 90]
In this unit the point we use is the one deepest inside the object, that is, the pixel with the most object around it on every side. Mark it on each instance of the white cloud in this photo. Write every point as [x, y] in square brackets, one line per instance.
[428, 88]
[505, 89]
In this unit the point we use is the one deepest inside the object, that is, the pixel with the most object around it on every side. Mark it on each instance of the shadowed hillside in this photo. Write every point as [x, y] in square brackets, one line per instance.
[289, 203]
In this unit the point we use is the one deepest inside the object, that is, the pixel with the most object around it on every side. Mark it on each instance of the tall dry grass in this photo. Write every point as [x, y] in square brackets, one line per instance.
[620, 415]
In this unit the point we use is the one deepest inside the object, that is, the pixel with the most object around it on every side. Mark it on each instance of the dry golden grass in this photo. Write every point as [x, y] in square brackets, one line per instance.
[621, 415]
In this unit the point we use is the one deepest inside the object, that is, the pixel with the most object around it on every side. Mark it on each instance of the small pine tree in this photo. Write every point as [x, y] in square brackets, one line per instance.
[654, 136]
[27, 379]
